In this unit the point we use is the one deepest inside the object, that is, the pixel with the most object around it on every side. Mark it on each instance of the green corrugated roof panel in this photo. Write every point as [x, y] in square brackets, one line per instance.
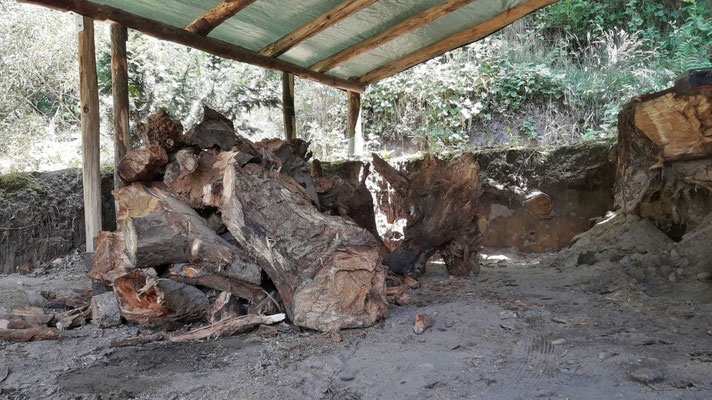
[265, 21]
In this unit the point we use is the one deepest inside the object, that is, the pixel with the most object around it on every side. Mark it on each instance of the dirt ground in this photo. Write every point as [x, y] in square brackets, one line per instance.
[606, 323]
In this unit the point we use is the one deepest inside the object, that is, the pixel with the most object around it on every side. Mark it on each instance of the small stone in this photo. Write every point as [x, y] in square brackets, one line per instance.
[645, 376]
[587, 258]
[422, 322]
[347, 376]
[672, 277]
[105, 311]
[557, 342]
[704, 276]
[272, 367]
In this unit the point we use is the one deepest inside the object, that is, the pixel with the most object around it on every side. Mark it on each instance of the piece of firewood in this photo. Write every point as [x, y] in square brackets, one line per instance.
[141, 164]
[158, 303]
[225, 306]
[111, 258]
[328, 271]
[65, 298]
[29, 335]
[182, 163]
[211, 277]
[159, 230]
[421, 323]
[72, 318]
[105, 311]
[215, 130]
[133, 341]
[228, 327]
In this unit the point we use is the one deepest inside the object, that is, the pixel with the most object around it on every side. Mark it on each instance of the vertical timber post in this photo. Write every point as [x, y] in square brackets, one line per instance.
[120, 90]
[353, 128]
[290, 119]
[89, 97]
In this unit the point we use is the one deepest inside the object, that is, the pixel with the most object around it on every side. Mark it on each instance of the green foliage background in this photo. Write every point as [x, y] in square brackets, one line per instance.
[558, 76]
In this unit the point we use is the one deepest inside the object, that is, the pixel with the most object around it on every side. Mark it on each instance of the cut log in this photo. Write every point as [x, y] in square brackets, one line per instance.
[142, 164]
[159, 230]
[294, 156]
[158, 303]
[215, 130]
[29, 335]
[225, 306]
[209, 276]
[203, 186]
[105, 311]
[228, 327]
[111, 258]
[328, 271]
[161, 130]
[439, 202]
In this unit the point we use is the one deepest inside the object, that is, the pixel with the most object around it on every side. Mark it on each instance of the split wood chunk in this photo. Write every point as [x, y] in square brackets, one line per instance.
[29, 335]
[539, 204]
[159, 230]
[159, 303]
[225, 306]
[133, 341]
[66, 298]
[294, 156]
[215, 130]
[105, 311]
[422, 322]
[25, 321]
[210, 277]
[72, 318]
[142, 164]
[111, 258]
[183, 163]
[161, 130]
[439, 202]
[201, 187]
[228, 327]
[327, 270]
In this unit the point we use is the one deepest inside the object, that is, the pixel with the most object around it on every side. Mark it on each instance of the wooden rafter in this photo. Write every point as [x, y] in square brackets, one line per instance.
[170, 33]
[457, 40]
[314, 26]
[219, 14]
[395, 31]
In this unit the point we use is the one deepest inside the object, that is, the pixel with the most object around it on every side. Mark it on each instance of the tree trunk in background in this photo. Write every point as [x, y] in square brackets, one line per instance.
[120, 91]
[290, 119]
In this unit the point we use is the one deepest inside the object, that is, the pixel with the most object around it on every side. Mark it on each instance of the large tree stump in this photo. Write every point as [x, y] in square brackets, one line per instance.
[439, 202]
[215, 130]
[326, 269]
[664, 158]
[294, 156]
[161, 130]
[159, 229]
[201, 187]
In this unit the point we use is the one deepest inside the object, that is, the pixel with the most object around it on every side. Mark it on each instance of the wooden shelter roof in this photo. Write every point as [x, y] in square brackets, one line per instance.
[346, 44]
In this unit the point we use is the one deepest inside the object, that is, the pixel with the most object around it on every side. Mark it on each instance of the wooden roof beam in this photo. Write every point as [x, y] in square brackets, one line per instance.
[395, 31]
[314, 26]
[460, 39]
[214, 46]
[219, 14]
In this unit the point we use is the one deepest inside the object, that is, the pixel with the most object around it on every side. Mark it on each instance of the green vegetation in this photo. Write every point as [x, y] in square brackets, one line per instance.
[556, 77]
[18, 181]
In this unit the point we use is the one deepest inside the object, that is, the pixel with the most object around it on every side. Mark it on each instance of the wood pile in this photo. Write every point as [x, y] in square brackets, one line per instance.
[215, 228]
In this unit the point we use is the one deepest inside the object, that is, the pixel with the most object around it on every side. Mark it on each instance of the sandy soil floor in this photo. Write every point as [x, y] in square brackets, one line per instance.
[524, 328]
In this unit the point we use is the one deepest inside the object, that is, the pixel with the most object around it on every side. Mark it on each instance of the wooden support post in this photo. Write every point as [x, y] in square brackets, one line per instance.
[353, 129]
[89, 97]
[290, 120]
[120, 89]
